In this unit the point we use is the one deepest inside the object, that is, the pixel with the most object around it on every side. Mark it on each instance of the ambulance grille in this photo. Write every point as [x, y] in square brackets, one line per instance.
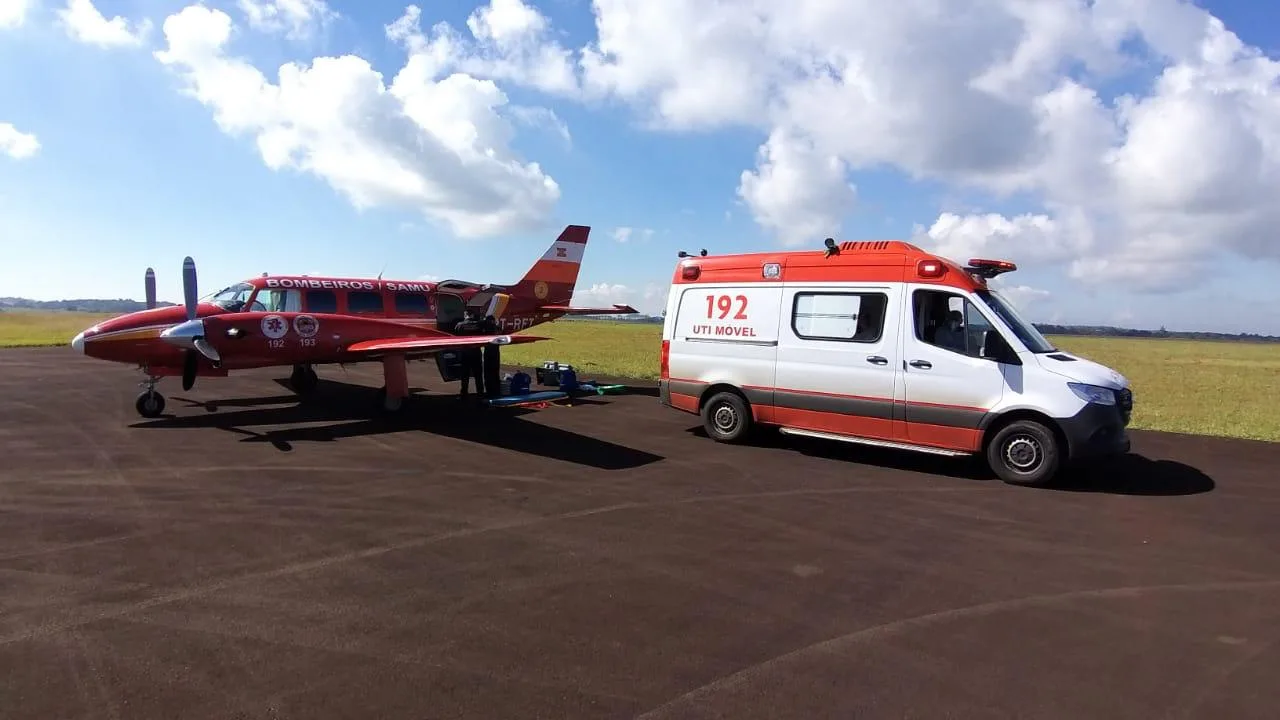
[1125, 401]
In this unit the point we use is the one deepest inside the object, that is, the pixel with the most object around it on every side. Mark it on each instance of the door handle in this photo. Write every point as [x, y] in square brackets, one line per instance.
[877, 360]
[922, 364]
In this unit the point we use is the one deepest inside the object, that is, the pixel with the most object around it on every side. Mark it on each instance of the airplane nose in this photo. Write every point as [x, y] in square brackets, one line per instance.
[77, 343]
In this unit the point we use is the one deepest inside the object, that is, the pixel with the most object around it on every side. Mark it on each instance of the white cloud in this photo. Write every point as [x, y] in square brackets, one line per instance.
[1031, 302]
[295, 18]
[649, 300]
[436, 145]
[509, 41]
[83, 22]
[627, 234]
[1141, 191]
[16, 144]
[797, 192]
[13, 13]
[542, 118]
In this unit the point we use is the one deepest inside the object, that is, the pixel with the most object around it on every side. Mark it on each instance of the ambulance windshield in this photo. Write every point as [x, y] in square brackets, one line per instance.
[1025, 331]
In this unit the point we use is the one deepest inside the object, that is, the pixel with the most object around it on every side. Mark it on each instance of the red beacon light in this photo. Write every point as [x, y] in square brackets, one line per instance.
[990, 268]
[930, 268]
[690, 272]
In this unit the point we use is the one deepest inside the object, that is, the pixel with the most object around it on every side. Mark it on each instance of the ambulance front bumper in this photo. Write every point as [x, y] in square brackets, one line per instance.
[1097, 431]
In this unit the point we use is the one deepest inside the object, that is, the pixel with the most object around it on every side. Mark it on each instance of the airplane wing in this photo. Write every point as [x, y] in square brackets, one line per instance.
[429, 344]
[571, 310]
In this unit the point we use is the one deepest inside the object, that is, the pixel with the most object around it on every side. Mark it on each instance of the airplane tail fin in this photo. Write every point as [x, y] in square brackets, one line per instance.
[553, 277]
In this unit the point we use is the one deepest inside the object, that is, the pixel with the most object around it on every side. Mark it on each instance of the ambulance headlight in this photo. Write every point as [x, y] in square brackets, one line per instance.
[1093, 393]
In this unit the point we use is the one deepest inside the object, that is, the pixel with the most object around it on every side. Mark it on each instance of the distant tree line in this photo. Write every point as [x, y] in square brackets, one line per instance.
[124, 305]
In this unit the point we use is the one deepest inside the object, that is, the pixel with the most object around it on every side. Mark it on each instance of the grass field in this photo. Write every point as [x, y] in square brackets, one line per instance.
[36, 328]
[1210, 388]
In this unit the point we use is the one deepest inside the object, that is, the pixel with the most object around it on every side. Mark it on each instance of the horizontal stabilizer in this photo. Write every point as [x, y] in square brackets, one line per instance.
[568, 310]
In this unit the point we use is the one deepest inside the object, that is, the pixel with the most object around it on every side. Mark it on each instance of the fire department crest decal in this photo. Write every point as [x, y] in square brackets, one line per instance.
[306, 326]
[540, 290]
[274, 327]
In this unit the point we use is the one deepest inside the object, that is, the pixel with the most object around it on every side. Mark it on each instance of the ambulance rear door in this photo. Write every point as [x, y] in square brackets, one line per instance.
[726, 333]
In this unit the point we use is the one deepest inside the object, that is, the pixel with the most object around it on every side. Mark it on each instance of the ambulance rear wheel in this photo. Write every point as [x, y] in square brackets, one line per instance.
[1024, 452]
[726, 417]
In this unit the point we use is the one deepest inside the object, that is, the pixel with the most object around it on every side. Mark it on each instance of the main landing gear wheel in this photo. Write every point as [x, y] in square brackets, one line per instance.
[149, 404]
[726, 417]
[303, 380]
[1025, 453]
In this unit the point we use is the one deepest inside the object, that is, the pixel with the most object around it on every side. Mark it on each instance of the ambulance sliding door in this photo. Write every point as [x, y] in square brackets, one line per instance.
[838, 359]
[727, 334]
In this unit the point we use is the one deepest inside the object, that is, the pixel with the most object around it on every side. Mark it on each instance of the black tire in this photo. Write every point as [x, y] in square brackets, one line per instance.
[150, 404]
[1025, 452]
[726, 417]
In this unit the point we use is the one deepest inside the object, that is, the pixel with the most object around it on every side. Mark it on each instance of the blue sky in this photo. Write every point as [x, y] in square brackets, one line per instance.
[131, 172]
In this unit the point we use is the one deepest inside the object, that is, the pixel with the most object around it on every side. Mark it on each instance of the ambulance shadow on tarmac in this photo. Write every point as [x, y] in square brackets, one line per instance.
[345, 407]
[1130, 474]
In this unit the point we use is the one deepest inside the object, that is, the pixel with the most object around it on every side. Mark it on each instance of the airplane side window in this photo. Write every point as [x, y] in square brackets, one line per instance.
[847, 316]
[408, 303]
[277, 300]
[359, 301]
[322, 301]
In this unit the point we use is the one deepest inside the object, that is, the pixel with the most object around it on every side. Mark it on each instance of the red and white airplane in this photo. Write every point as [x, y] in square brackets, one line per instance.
[306, 321]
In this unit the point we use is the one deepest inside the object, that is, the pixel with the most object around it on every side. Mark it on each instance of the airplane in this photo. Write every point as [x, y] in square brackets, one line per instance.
[303, 321]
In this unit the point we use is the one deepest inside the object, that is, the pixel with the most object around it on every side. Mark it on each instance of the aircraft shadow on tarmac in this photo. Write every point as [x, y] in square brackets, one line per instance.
[352, 411]
[1131, 474]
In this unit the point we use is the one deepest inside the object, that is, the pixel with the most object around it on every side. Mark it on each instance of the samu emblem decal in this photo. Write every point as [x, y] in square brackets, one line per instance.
[274, 327]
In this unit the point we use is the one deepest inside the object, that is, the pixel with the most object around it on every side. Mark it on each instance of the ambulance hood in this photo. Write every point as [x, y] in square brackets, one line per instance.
[1078, 369]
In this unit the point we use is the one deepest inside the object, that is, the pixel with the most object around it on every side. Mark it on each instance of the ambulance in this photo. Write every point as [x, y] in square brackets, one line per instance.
[881, 343]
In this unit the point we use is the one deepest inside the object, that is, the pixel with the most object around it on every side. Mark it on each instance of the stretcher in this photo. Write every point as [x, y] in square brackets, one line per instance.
[539, 398]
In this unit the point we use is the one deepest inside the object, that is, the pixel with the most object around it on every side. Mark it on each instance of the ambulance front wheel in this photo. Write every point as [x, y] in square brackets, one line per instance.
[726, 417]
[1025, 452]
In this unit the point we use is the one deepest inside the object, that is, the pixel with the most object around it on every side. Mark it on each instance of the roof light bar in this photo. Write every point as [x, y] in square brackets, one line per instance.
[990, 268]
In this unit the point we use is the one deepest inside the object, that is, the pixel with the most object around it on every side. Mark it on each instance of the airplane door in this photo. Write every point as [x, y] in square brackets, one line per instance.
[947, 386]
[837, 368]
[449, 311]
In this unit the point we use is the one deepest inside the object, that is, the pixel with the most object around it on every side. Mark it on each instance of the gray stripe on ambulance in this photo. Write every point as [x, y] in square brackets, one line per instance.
[967, 418]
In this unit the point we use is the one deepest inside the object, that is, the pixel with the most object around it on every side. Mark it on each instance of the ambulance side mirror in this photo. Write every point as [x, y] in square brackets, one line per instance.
[995, 347]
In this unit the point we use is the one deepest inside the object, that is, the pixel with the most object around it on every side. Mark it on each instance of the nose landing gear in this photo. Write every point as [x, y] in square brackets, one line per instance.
[150, 404]
[303, 380]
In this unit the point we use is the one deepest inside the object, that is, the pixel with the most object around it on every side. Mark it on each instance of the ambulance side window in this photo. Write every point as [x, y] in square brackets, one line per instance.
[949, 321]
[845, 316]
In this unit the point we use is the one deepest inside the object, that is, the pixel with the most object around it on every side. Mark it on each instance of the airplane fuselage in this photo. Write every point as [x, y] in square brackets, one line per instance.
[302, 320]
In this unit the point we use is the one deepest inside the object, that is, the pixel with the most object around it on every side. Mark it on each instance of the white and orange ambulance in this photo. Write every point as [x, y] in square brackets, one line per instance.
[882, 343]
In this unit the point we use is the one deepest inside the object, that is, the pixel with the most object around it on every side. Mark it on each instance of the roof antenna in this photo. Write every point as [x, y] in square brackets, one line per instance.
[704, 252]
[831, 248]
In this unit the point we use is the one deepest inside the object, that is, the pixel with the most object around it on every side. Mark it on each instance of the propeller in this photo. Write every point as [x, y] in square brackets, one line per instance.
[149, 280]
[190, 334]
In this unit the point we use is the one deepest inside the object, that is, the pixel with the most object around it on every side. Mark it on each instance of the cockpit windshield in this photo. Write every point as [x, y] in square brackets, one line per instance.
[232, 299]
[1025, 331]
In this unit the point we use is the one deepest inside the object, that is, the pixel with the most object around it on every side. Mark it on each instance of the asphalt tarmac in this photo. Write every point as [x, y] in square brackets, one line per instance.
[257, 557]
